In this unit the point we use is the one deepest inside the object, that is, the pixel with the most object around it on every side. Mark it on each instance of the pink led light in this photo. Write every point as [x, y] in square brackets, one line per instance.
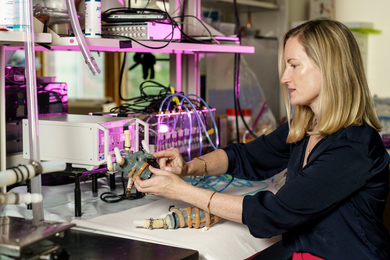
[163, 128]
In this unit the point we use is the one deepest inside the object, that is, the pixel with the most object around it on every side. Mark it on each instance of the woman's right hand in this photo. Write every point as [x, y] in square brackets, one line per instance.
[171, 160]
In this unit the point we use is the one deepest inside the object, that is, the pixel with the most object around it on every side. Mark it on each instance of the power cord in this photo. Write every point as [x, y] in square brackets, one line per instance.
[112, 197]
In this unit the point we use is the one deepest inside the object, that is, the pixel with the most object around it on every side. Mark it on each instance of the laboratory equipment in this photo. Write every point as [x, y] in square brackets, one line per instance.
[135, 164]
[188, 131]
[192, 217]
[192, 132]
[52, 100]
[93, 21]
[18, 234]
[141, 30]
[84, 141]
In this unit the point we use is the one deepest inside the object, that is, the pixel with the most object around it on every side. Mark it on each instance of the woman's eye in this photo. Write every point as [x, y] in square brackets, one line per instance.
[293, 66]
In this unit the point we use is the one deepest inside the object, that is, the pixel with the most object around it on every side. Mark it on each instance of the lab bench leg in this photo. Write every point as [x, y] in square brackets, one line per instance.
[94, 183]
[77, 196]
[112, 181]
[28, 183]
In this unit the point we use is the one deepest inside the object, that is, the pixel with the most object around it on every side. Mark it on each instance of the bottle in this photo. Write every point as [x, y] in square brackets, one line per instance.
[7, 15]
[19, 17]
[93, 21]
[246, 113]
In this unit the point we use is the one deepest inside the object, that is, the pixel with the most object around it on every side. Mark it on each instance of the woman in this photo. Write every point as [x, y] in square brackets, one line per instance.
[332, 204]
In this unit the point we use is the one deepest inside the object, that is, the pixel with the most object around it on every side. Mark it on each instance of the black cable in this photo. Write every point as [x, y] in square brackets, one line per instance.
[193, 16]
[183, 11]
[112, 197]
[171, 20]
[121, 76]
[182, 33]
[237, 73]
[152, 100]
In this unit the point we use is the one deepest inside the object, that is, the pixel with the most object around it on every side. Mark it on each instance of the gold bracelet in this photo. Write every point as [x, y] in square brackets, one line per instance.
[208, 204]
[205, 166]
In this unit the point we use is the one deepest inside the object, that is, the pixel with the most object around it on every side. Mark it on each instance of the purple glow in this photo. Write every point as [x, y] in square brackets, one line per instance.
[163, 128]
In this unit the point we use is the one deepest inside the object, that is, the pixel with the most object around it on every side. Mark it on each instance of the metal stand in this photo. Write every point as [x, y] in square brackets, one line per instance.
[112, 181]
[17, 234]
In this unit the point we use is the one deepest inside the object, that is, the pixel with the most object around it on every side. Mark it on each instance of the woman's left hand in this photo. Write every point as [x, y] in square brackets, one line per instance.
[163, 183]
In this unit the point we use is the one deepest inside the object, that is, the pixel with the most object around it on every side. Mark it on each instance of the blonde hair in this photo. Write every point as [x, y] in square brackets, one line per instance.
[344, 98]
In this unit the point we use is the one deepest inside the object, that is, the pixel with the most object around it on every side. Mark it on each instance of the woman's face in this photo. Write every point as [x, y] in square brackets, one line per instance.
[302, 78]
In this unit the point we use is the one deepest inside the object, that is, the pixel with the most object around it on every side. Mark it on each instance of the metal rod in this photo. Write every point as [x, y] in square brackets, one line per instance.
[32, 104]
[3, 156]
[112, 181]
[77, 196]
[94, 183]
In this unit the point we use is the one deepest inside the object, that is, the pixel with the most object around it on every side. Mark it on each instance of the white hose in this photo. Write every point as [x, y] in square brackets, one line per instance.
[89, 59]
[16, 175]
[109, 163]
[28, 171]
[119, 159]
[17, 198]
[145, 146]
[53, 166]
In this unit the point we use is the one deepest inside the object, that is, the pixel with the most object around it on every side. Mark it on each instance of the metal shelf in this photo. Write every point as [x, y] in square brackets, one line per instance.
[245, 5]
[18, 38]
[15, 40]
[117, 45]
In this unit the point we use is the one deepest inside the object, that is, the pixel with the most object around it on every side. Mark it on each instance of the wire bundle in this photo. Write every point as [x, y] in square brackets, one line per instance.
[213, 182]
[170, 20]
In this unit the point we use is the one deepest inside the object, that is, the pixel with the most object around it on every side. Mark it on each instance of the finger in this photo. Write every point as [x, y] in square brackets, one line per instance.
[162, 162]
[138, 183]
[142, 185]
[169, 153]
[157, 171]
[161, 154]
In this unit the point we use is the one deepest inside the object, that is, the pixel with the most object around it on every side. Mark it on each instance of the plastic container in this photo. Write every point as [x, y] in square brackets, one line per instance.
[93, 21]
[246, 113]
[7, 15]
[19, 16]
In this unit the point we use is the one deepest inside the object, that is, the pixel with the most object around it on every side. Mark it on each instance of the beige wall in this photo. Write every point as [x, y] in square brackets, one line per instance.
[378, 63]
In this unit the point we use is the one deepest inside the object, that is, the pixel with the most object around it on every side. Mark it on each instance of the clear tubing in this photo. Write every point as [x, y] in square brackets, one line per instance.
[89, 59]
[197, 116]
[32, 106]
[3, 151]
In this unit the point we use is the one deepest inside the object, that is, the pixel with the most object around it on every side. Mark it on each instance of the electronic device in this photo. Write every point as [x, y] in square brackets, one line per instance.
[141, 31]
[190, 132]
[182, 130]
[82, 140]
[52, 100]
[86, 141]
[133, 17]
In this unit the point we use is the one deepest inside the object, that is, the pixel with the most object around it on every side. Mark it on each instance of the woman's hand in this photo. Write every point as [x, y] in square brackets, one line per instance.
[171, 160]
[163, 183]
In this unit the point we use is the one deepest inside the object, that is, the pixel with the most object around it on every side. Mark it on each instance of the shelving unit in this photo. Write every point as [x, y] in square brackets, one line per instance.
[15, 40]
[6, 39]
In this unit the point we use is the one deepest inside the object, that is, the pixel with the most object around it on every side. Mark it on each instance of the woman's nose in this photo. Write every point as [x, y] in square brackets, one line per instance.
[285, 78]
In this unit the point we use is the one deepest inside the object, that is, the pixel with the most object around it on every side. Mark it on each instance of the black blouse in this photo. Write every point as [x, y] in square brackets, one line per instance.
[333, 207]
